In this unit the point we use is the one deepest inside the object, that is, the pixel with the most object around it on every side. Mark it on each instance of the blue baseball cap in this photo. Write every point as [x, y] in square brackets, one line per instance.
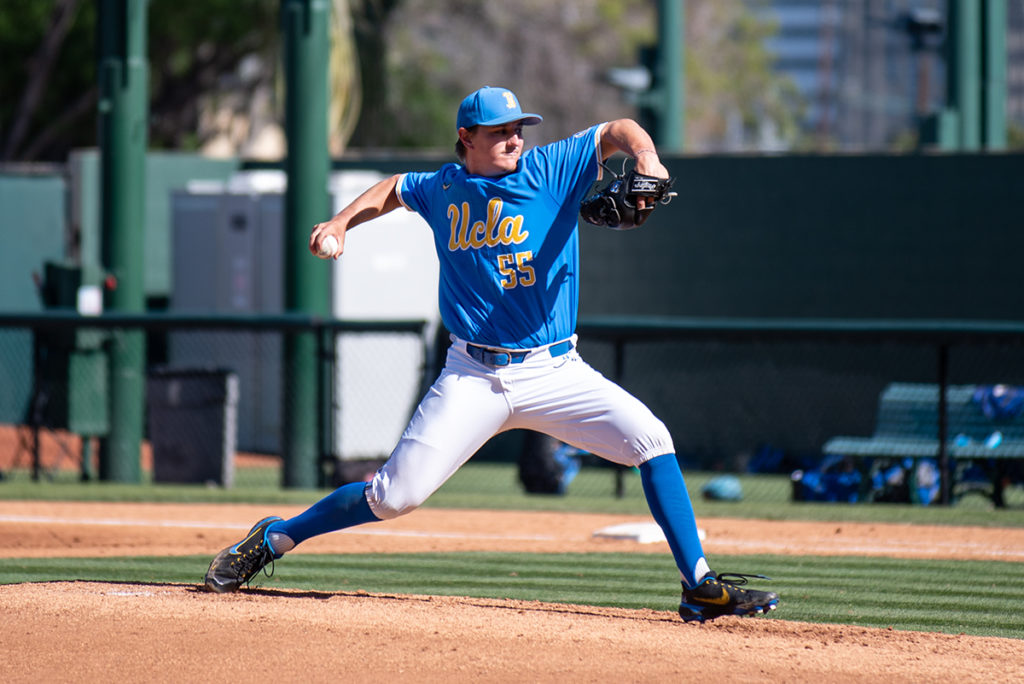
[493, 107]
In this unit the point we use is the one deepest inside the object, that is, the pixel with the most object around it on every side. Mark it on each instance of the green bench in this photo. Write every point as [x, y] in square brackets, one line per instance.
[907, 426]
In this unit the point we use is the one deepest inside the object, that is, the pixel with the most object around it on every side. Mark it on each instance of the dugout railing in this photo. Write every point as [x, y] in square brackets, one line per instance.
[730, 390]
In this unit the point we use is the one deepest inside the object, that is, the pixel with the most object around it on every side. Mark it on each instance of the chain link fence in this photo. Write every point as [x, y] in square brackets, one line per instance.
[214, 393]
[759, 410]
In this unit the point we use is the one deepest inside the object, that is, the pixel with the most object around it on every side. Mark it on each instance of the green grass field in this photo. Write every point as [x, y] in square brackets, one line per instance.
[970, 597]
[492, 485]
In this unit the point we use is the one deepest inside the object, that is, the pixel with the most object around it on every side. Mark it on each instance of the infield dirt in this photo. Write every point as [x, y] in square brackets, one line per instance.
[92, 632]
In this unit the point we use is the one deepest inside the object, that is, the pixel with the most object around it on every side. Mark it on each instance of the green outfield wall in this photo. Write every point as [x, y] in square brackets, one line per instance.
[842, 237]
[824, 237]
[821, 236]
[32, 218]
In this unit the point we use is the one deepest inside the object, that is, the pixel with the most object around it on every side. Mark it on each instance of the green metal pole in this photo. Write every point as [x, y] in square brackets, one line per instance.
[671, 33]
[304, 24]
[965, 70]
[123, 113]
[994, 86]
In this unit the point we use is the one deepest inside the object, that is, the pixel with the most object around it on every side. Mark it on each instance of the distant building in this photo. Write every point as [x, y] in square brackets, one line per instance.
[868, 68]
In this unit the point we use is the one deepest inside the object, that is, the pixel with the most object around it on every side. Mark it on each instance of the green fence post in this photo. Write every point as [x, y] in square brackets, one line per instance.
[994, 80]
[304, 25]
[671, 39]
[123, 113]
[964, 67]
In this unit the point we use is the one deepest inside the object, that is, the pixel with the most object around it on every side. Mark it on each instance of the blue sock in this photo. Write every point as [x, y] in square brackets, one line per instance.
[670, 505]
[345, 507]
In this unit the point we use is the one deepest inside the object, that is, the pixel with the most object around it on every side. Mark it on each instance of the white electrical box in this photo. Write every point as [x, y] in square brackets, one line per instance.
[228, 242]
[389, 271]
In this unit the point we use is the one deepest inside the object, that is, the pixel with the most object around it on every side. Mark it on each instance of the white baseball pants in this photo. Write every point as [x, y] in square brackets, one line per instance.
[471, 402]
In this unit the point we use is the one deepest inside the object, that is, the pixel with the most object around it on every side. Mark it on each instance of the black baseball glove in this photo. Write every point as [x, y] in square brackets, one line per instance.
[616, 207]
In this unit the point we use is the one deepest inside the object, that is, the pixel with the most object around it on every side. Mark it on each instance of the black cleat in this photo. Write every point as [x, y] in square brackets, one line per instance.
[716, 596]
[238, 564]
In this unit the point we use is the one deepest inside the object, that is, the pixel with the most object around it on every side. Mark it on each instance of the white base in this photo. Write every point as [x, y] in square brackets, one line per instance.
[643, 533]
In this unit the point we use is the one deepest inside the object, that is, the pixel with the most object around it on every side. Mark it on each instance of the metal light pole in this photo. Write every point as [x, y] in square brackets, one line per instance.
[304, 25]
[671, 32]
[965, 71]
[994, 77]
[123, 113]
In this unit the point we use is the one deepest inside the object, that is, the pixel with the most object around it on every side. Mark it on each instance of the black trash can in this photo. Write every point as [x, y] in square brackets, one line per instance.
[192, 422]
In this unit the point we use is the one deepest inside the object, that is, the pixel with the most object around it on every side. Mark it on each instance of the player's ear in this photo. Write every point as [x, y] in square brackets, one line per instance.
[466, 136]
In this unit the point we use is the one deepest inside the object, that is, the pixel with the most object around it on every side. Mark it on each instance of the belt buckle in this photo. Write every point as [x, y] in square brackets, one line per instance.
[489, 357]
[499, 359]
[560, 348]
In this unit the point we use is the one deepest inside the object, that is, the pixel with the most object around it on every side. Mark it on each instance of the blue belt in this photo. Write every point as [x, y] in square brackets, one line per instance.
[505, 357]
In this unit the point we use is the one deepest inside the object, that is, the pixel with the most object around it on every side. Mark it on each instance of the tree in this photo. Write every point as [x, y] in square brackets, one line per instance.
[734, 96]
[552, 54]
[555, 57]
[398, 71]
[203, 52]
[48, 84]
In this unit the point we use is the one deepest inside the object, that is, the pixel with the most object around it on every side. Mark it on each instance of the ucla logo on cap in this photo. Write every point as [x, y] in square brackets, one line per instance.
[493, 107]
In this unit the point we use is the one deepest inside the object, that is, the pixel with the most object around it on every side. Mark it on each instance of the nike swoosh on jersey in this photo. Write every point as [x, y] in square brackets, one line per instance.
[445, 186]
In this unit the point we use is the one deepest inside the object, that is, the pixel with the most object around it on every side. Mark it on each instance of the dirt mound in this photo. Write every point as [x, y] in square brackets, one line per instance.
[91, 632]
[95, 632]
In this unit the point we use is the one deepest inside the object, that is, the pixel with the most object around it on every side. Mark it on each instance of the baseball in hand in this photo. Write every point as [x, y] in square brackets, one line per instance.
[328, 247]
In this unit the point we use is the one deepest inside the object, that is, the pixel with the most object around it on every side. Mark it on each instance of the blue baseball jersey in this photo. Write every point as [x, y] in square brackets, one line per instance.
[509, 246]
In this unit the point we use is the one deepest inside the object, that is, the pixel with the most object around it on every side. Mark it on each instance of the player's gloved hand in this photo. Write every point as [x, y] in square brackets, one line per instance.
[627, 200]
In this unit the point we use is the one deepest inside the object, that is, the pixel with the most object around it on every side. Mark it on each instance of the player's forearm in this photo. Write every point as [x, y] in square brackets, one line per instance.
[630, 137]
[381, 198]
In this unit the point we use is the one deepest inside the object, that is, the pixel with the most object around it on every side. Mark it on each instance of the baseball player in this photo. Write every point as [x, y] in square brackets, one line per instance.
[504, 223]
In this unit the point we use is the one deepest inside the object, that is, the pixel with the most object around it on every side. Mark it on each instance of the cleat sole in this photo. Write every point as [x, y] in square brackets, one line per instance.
[694, 614]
